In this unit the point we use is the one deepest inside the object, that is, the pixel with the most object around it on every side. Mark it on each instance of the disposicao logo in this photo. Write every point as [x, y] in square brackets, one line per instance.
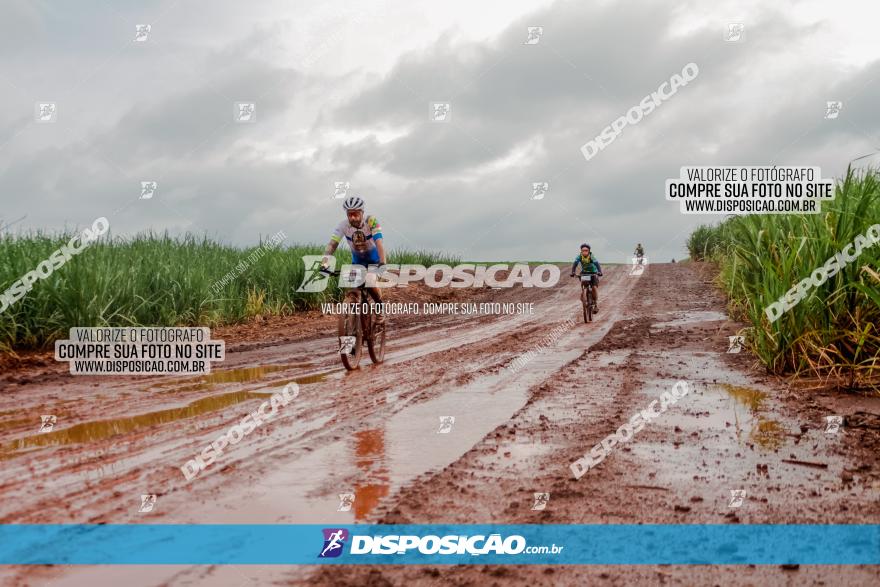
[334, 541]
[438, 275]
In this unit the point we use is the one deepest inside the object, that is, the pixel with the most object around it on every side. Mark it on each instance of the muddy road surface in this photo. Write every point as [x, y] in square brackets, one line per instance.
[529, 394]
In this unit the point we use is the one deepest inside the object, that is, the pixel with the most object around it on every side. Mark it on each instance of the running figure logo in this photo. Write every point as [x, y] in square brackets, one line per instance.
[540, 189]
[46, 112]
[446, 423]
[735, 32]
[346, 500]
[541, 501]
[48, 422]
[440, 111]
[147, 503]
[148, 189]
[638, 265]
[346, 344]
[535, 33]
[832, 109]
[832, 424]
[736, 498]
[245, 112]
[334, 540]
[142, 32]
[735, 343]
[313, 279]
[340, 189]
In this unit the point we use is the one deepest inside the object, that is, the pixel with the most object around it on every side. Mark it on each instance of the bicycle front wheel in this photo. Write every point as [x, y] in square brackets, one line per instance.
[351, 340]
[588, 306]
[376, 341]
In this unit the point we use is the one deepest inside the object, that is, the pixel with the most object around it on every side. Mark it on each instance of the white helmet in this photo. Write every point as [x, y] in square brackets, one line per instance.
[353, 203]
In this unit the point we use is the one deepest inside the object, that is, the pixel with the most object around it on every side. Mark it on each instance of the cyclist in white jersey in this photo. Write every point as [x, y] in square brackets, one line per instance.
[364, 236]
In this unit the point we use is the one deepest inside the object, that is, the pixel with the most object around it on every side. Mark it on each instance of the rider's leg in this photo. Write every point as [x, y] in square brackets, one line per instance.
[376, 295]
[352, 297]
[596, 293]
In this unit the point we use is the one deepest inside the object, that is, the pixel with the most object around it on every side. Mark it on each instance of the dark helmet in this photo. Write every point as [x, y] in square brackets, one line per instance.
[586, 245]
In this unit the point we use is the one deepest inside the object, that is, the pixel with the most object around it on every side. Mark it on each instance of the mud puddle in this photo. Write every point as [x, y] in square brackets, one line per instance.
[390, 450]
[102, 429]
[689, 319]
[219, 377]
[725, 437]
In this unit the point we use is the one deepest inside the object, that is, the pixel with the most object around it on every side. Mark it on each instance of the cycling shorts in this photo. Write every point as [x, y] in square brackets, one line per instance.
[370, 257]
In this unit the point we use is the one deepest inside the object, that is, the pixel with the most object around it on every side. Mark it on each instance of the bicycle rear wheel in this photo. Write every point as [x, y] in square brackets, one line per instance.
[376, 340]
[350, 326]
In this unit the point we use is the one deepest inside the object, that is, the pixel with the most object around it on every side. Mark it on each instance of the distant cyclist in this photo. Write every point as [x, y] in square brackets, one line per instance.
[589, 266]
[640, 253]
[364, 236]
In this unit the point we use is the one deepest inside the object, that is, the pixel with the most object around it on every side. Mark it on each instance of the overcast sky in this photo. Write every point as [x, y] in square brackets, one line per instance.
[343, 93]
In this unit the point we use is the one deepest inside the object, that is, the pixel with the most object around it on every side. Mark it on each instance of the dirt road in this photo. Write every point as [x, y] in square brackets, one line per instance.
[529, 394]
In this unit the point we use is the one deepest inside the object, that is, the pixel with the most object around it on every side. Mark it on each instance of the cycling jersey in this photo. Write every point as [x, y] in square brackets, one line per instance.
[589, 264]
[361, 240]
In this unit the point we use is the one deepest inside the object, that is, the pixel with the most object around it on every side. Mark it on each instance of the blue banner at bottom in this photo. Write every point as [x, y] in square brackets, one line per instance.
[126, 544]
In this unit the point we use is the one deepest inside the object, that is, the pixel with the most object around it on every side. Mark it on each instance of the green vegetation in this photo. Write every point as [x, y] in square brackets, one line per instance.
[833, 332]
[156, 280]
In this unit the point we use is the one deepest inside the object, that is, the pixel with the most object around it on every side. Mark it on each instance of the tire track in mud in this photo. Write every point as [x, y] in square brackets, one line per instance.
[464, 358]
[371, 429]
[735, 430]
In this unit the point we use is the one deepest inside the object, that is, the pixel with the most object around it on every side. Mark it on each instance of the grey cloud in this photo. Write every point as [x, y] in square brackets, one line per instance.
[433, 188]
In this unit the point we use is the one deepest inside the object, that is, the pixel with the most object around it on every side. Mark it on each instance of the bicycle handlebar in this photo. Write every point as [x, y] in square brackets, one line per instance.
[338, 273]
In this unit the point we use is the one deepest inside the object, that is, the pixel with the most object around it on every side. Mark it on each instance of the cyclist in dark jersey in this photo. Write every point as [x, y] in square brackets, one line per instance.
[589, 266]
[640, 254]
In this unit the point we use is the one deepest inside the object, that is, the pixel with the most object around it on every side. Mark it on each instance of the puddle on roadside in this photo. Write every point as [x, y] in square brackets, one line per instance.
[688, 318]
[101, 429]
[243, 375]
[21, 422]
[741, 411]
[768, 434]
[720, 420]
[305, 380]
[371, 459]
[764, 432]
[751, 398]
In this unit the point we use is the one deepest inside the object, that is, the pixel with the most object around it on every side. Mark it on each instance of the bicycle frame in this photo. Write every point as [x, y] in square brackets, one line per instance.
[587, 297]
[361, 326]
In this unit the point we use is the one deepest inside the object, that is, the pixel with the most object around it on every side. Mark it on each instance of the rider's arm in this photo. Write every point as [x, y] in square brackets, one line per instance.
[380, 247]
[328, 252]
[575, 264]
[598, 267]
[377, 238]
[333, 244]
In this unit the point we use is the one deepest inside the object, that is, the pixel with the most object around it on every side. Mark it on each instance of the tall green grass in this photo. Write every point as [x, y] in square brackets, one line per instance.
[703, 242]
[833, 333]
[157, 280]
